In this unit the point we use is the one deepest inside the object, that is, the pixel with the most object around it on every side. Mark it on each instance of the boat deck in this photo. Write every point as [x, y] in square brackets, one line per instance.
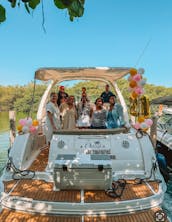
[43, 191]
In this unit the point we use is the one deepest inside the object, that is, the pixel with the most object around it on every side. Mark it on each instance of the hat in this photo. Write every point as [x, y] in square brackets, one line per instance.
[61, 87]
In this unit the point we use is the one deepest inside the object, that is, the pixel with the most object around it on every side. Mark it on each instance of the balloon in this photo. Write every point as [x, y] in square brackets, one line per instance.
[19, 128]
[144, 125]
[32, 129]
[22, 122]
[139, 91]
[133, 84]
[29, 122]
[142, 82]
[134, 95]
[137, 125]
[35, 123]
[133, 72]
[137, 77]
[141, 119]
[141, 71]
[149, 122]
[25, 129]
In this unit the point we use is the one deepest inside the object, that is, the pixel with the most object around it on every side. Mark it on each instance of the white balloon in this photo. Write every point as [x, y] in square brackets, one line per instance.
[25, 129]
[29, 122]
[142, 82]
[144, 125]
[141, 71]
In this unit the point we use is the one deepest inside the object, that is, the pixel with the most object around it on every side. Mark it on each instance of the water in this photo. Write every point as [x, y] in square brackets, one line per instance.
[4, 145]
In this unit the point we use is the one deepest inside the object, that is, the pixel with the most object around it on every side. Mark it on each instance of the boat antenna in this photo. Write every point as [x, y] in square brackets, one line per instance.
[143, 51]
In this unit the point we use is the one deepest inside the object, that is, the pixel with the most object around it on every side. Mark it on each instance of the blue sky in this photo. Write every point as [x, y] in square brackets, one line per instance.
[111, 33]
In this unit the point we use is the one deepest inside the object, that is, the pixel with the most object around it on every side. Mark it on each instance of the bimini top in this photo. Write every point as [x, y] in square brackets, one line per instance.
[84, 73]
[165, 100]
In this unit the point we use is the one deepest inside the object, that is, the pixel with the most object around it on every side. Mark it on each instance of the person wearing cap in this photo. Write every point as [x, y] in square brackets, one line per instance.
[114, 114]
[61, 94]
[106, 94]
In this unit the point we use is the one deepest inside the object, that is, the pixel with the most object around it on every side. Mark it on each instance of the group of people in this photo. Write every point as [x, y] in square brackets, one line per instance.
[63, 113]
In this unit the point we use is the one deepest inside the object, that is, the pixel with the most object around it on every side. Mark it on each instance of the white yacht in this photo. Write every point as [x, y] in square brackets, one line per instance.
[85, 175]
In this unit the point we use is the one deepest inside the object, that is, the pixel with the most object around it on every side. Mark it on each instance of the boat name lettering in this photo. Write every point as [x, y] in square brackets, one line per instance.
[94, 145]
[98, 151]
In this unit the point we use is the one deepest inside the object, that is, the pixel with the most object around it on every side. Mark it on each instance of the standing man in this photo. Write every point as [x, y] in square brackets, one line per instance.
[106, 94]
[61, 95]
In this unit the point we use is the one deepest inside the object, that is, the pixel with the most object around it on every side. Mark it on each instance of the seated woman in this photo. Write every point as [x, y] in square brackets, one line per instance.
[69, 114]
[52, 117]
[114, 115]
[83, 111]
[98, 115]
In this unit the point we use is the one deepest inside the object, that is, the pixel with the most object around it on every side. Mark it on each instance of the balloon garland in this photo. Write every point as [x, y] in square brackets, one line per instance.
[27, 125]
[136, 88]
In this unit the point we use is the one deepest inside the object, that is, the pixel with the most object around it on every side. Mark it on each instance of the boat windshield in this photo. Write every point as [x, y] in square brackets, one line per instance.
[165, 122]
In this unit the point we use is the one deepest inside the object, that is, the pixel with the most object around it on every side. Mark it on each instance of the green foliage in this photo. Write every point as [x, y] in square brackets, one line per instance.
[33, 3]
[20, 97]
[75, 8]
[2, 14]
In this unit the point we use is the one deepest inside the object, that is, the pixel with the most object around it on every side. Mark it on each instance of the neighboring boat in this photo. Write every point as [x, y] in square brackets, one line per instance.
[164, 128]
[86, 174]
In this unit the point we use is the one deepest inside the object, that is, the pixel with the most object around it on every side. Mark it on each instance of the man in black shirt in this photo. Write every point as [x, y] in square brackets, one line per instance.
[61, 94]
[106, 94]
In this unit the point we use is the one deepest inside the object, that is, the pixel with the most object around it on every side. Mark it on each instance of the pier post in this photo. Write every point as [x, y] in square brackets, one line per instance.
[12, 119]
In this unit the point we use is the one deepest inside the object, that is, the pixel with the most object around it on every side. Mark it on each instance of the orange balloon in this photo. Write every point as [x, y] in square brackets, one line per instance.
[133, 84]
[133, 72]
[146, 129]
[19, 128]
[35, 123]
[134, 95]
[141, 119]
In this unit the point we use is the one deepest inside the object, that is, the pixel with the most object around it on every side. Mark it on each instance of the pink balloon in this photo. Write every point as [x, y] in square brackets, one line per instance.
[22, 122]
[149, 122]
[32, 129]
[137, 77]
[139, 90]
[137, 125]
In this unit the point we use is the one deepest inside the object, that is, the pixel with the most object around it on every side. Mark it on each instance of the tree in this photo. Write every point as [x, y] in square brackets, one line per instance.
[75, 8]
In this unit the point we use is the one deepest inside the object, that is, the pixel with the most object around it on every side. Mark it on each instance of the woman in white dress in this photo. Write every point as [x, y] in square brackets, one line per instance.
[69, 114]
[52, 117]
[83, 110]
